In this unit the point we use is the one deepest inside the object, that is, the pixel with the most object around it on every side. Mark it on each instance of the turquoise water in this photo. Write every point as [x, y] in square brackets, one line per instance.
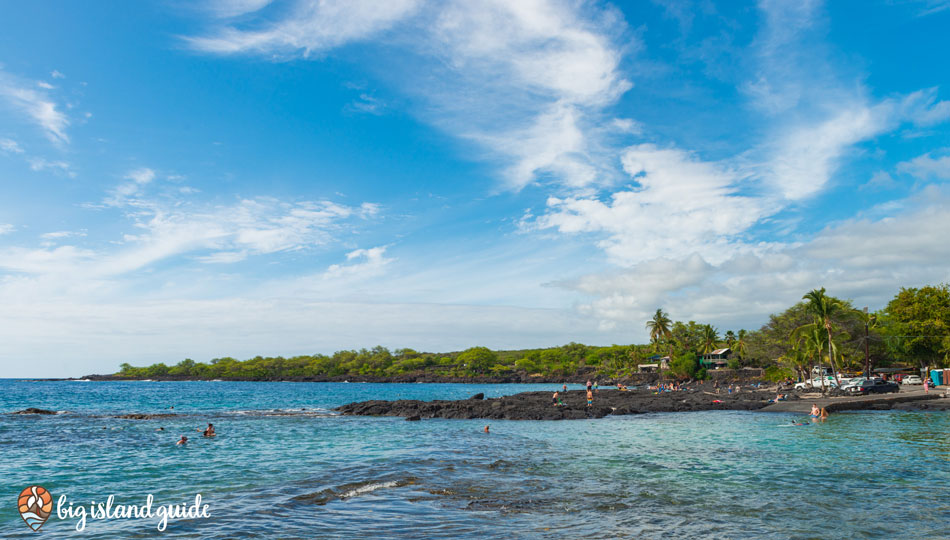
[283, 466]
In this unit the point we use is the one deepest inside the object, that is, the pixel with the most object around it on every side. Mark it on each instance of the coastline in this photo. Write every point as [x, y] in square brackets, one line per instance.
[612, 402]
[724, 376]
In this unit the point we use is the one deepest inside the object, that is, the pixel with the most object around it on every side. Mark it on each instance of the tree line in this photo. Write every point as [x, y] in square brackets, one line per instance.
[913, 330]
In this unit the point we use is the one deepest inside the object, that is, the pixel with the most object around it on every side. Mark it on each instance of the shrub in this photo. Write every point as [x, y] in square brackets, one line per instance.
[685, 365]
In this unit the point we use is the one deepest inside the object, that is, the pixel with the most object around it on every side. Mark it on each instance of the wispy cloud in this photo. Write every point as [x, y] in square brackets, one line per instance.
[361, 264]
[682, 205]
[528, 81]
[35, 105]
[59, 235]
[310, 27]
[6, 228]
[163, 229]
[10, 146]
[134, 181]
[927, 167]
[39, 164]
[861, 259]
[881, 180]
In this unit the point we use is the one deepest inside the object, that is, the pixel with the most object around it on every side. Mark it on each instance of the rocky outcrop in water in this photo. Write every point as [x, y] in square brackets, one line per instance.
[540, 406]
[140, 416]
[32, 410]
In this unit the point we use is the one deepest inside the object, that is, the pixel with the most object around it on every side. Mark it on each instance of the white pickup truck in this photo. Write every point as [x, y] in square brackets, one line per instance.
[816, 383]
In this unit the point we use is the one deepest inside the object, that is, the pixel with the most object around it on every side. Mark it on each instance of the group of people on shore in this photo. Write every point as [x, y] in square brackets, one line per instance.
[591, 389]
[668, 387]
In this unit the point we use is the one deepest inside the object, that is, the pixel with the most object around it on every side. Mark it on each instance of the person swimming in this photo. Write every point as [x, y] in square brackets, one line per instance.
[182, 442]
[208, 432]
[486, 429]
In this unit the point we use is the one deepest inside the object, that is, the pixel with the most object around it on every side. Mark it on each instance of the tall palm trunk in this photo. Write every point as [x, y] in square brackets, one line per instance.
[830, 357]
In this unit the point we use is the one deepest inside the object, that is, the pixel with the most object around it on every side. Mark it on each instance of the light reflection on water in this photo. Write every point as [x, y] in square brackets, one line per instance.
[689, 475]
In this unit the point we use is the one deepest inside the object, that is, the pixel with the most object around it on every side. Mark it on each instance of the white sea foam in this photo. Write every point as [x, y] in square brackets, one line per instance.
[367, 489]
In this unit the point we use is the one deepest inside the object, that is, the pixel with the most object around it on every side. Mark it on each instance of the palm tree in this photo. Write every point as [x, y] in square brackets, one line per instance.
[824, 308]
[870, 320]
[810, 340]
[797, 358]
[730, 338]
[710, 338]
[740, 345]
[659, 327]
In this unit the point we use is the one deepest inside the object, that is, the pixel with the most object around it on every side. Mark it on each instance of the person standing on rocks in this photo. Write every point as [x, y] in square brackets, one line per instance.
[595, 387]
[590, 398]
[589, 385]
[554, 398]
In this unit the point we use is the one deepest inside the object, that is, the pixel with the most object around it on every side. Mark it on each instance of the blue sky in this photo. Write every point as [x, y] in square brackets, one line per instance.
[243, 177]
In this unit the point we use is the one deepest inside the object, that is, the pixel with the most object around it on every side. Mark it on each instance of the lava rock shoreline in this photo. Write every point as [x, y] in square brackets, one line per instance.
[540, 406]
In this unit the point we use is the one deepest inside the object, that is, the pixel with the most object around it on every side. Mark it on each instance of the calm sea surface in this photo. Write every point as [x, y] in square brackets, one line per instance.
[284, 466]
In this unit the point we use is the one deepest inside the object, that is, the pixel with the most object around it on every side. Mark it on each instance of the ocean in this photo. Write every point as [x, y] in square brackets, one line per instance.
[285, 466]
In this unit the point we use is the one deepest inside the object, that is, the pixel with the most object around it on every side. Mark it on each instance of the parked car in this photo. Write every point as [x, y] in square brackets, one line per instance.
[816, 383]
[875, 386]
[912, 379]
[856, 381]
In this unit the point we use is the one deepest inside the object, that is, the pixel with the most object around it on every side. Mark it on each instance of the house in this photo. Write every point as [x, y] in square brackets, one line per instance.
[716, 359]
[659, 363]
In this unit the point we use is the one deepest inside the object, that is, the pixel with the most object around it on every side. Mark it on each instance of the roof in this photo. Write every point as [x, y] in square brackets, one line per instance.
[721, 351]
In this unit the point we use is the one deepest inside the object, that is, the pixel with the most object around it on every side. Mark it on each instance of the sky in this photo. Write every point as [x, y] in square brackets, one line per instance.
[257, 177]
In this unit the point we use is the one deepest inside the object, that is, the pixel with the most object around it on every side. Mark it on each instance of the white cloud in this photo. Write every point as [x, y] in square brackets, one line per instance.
[310, 27]
[59, 235]
[368, 104]
[682, 205]
[45, 85]
[526, 80]
[923, 109]
[369, 262]
[127, 191]
[927, 167]
[57, 75]
[805, 158]
[861, 259]
[880, 180]
[223, 257]
[10, 146]
[58, 166]
[36, 105]
[6, 228]
[234, 8]
[170, 227]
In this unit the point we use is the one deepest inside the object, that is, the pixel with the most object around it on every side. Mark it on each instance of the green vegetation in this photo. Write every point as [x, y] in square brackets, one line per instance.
[912, 330]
